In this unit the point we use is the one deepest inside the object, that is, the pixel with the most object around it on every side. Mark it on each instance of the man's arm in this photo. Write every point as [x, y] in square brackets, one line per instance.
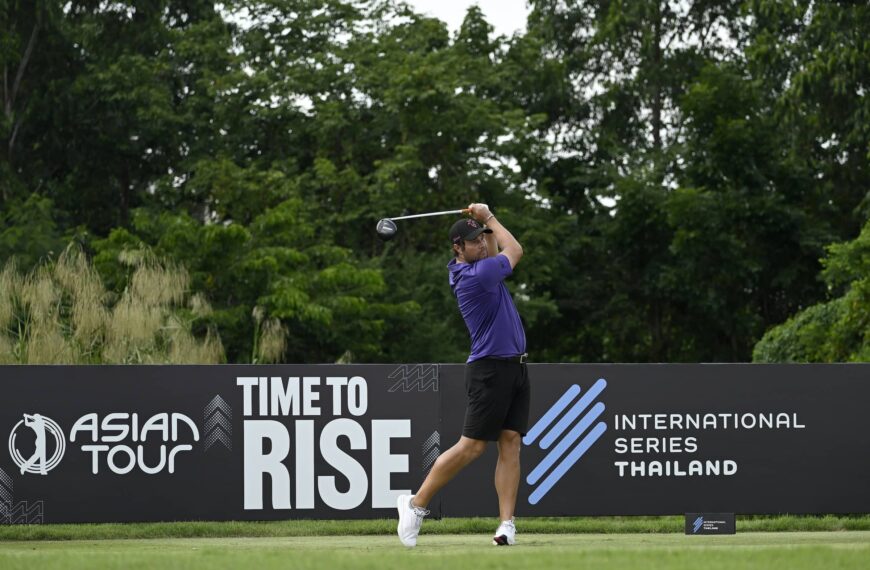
[491, 244]
[510, 247]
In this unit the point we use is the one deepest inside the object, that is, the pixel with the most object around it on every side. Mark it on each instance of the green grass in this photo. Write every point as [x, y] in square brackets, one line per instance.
[793, 550]
[555, 525]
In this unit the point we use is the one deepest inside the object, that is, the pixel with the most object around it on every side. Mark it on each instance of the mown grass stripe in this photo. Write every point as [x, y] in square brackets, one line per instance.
[554, 525]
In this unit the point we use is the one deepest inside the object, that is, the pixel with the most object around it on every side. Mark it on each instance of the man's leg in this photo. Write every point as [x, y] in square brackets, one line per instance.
[447, 466]
[507, 472]
[412, 508]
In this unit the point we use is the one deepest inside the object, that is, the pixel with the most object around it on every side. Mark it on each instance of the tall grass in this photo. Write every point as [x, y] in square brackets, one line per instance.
[270, 339]
[61, 313]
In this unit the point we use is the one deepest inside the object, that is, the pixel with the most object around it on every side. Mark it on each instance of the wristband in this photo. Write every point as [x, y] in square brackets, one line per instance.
[491, 216]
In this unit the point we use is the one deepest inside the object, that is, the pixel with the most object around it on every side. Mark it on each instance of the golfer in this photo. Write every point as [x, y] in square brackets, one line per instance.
[496, 380]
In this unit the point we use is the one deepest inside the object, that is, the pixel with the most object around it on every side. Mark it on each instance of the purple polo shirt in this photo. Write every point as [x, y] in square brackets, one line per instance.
[487, 307]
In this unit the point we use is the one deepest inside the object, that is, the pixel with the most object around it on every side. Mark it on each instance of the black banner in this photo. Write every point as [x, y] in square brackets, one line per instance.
[150, 443]
[661, 439]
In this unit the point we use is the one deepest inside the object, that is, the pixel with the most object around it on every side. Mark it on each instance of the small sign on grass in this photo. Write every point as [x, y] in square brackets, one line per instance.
[710, 523]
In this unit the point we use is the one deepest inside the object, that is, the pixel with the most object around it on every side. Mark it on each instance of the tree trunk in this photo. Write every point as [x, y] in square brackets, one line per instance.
[656, 81]
[10, 95]
[124, 197]
[12, 140]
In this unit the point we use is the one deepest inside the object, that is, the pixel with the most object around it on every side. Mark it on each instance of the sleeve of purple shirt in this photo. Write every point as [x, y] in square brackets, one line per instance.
[492, 271]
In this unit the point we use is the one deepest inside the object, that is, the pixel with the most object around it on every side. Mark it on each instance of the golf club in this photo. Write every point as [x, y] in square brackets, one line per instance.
[387, 228]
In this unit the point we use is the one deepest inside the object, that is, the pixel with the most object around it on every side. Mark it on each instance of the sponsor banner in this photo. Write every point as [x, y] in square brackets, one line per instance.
[662, 439]
[151, 443]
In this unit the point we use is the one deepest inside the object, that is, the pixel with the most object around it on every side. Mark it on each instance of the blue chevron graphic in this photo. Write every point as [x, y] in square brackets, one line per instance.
[559, 422]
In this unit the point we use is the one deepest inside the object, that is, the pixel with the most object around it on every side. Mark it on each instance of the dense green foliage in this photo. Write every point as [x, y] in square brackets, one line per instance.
[832, 331]
[674, 171]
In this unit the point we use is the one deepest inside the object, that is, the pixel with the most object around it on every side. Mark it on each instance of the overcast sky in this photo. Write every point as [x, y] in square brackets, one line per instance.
[506, 16]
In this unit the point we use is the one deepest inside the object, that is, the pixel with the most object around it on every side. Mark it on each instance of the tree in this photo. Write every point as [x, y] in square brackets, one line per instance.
[103, 108]
[673, 170]
[836, 330]
[815, 58]
[698, 225]
[281, 266]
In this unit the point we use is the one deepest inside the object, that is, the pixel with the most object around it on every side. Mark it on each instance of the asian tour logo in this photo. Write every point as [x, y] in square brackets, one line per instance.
[565, 453]
[696, 526]
[38, 462]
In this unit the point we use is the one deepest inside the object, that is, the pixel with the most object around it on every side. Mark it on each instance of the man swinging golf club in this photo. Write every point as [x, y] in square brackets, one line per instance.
[496, 379]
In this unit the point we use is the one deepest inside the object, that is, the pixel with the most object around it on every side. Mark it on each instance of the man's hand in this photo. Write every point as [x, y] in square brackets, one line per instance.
[510, 247]
[480, 212]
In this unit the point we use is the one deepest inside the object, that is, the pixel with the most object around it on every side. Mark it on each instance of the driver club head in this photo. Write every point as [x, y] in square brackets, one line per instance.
[386, 229]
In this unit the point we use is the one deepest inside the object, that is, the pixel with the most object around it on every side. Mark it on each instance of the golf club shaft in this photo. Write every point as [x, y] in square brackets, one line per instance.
[463, 211]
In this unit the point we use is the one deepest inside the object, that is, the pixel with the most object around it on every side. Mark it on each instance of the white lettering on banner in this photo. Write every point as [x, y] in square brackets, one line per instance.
[260, 435]
[258, 463]
[295, 396]
[120, 426]
[309, 396]
[86, 422]
[285, 399]
[384, 463]
[675, 468]
[304, 464]
[123, 429]
[158, 423]
[247, 383]
[717, 421]
[357, 396]
[682, 422]
[344, 463]
[337, 382]
[164, 424]
[137, 459]
[656, 445]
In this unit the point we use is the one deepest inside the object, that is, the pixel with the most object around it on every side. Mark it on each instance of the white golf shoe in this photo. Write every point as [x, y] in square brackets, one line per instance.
[506, 534]
[410, 519]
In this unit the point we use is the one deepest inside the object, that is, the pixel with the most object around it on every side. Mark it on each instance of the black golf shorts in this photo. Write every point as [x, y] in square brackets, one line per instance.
[498, 398]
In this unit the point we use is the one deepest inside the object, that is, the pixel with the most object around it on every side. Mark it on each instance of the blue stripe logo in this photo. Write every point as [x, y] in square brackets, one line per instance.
[697, 525]
[553, 425]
